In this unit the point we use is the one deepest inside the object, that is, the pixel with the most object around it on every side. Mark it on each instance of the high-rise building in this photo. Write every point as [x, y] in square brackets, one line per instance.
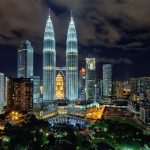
[60, 91]
[49, 62]
[25, 60]
[20, 94]
[107, 80]
[36, 89]
[90, 78]
[82, 94]
[2, 91]
[133, 85]
[72, 63]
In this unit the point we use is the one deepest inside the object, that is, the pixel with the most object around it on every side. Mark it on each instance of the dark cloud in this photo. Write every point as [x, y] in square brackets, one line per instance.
[113, 31]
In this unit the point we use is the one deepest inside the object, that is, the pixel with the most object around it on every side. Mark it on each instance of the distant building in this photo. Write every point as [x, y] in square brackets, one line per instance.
[2, 91]
[20, 94]
[90, 78]
[36, 89]
[143, 85]
[101, 88]
[145, 114]
[140, 88]
[60, 87]
[133, 85]
[107, 80]
[25, 60]
[82, 78]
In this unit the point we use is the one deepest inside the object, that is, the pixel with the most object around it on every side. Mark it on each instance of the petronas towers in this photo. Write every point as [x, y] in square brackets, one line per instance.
[49, 62]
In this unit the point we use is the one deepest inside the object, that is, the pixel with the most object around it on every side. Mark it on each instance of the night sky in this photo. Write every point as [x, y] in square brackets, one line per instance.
[113, 31]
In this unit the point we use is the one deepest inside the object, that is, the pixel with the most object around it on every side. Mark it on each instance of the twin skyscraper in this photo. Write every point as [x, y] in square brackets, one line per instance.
[49, 62]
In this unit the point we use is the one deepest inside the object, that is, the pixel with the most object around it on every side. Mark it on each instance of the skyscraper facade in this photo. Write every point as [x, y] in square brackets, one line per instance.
[36, 89]
[2, 91]
[107, 80]
[25, 60]
[49, 62]
[90, 78]
[72, 63]
[20, 94]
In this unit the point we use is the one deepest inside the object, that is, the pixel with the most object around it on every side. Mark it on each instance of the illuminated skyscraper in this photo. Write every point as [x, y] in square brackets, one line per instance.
[107, 80]
[60, 92]
[49, 62]
[2, 91]
[90, 78]
[72, 63]
[25, 60]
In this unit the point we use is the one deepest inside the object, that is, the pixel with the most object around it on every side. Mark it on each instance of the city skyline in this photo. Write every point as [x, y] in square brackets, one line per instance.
[108, 31]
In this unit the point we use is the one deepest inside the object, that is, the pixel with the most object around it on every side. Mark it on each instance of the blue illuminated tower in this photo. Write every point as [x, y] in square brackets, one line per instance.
[49, 62]
[25, 60]
[107, 80]
[72, 63]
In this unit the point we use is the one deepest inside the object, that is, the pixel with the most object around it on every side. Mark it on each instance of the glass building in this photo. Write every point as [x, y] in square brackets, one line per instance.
[72, 63]
[107, 80]
[25, 60]
[2, 91]
[49, 62]
[36, 89]
[90, 78]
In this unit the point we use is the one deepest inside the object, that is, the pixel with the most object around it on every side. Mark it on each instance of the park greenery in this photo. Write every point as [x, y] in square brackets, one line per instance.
[106, 134]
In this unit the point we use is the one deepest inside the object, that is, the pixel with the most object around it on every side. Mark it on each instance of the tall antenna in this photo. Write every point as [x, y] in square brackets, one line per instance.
[49, 13]
[71, 13]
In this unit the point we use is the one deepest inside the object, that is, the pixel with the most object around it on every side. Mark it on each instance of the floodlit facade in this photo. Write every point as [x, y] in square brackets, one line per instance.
[72, 63]
[2, 91]
[60, 91]
[25, 60]
[90, 78]
[107, 80]
[49, 62]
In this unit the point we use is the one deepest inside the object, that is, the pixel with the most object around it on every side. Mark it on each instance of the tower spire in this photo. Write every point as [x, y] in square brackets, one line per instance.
[49, 13]
[71, 13]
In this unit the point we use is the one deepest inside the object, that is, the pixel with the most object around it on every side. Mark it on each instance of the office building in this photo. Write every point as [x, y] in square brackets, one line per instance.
[25, 60]
[20, 94]
[107, 80]
[90, 78]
